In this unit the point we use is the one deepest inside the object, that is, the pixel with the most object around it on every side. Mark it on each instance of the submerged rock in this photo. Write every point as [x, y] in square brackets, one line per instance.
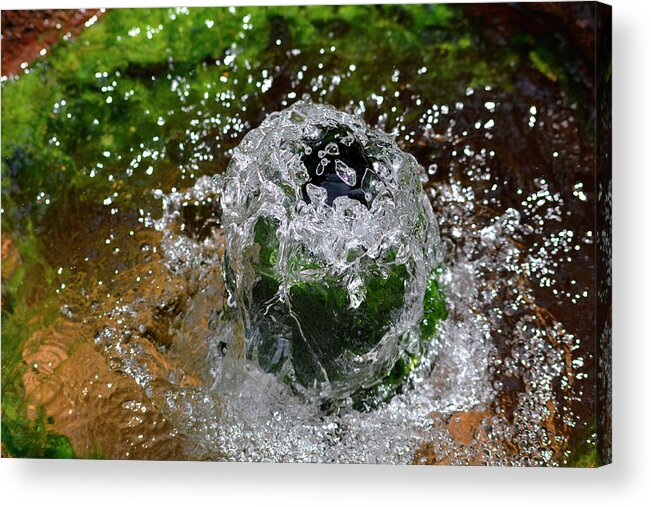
[331, 242]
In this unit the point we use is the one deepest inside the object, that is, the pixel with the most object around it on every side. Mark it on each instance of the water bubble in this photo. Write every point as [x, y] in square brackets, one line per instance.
[347, 174]
[332, 149]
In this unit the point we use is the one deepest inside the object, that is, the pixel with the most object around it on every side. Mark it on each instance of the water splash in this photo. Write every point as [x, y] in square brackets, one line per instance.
[144, 307]
[493, 389]
[328, 270]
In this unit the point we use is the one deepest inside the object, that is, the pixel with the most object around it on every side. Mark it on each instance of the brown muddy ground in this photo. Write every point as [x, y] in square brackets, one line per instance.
[26, 33]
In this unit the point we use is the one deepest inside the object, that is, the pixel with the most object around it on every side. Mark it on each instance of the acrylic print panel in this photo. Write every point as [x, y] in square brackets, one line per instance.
[341, 234]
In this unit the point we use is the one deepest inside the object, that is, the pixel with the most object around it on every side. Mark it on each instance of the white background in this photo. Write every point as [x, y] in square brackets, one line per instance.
[626, 482]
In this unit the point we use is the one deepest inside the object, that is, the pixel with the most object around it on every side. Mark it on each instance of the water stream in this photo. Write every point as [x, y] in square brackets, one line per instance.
[119, 331]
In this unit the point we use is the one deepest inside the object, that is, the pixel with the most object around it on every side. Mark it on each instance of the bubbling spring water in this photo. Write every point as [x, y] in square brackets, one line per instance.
[468, 400]
[330, 241]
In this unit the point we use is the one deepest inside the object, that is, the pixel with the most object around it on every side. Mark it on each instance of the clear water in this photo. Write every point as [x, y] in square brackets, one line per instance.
[129, 349]
[365, 235]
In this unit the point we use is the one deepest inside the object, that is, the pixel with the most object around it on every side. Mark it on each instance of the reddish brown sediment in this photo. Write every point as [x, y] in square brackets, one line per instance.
[98, 408]
[85, 393]
[11, 258]
[26, 32]
[464, 427]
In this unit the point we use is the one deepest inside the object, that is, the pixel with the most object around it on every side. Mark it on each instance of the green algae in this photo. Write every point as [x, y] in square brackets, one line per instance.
[29, 304]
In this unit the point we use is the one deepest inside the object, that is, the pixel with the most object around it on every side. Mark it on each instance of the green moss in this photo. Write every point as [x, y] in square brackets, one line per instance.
[32, 439]
[546, 54]
[434, 311]
[585, 453]
[29, 288]
[62, 121]
[323, 325]
[434, 307]
[541, 61]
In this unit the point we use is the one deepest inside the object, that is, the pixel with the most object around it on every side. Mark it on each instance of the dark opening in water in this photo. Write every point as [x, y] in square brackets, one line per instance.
[339, 164]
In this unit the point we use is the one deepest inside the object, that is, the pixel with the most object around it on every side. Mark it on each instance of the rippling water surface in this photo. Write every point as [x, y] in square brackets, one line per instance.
[114, 308]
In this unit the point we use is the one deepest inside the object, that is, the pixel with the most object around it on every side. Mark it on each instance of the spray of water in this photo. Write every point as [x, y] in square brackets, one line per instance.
[467, 401]
[330, 241]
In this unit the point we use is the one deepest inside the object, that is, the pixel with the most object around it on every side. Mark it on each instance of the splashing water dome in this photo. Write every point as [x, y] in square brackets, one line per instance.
[330, 244]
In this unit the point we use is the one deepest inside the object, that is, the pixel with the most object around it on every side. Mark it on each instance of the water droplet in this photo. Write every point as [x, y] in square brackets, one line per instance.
[332, 149]
[347, 140]
[312, 132]
[347, 174]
